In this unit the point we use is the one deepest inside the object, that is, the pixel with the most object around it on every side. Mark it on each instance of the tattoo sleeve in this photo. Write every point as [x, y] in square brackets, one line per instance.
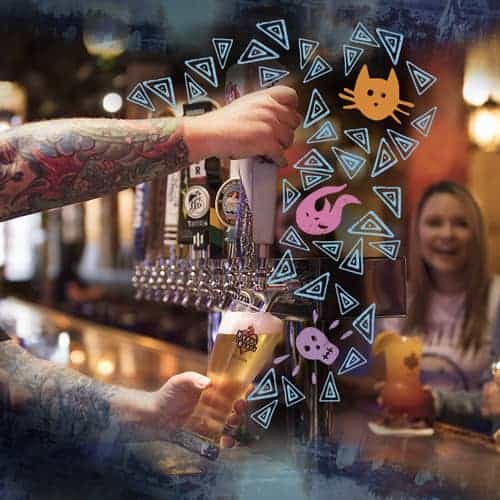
[50, 164]
[61, 406]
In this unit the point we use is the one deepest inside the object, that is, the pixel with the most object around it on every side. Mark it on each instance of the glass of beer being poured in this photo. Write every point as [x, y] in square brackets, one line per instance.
[244, 345]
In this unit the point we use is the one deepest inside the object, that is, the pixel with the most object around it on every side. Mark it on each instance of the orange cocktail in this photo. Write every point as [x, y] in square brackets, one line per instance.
[402, 392]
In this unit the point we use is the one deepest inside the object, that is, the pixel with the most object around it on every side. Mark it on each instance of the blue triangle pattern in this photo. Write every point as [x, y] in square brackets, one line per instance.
[204, 67]
[405, 145]
[140, 97]
[371, 225]
[193, 90]
[345, 300]
[332, 248]
[422, 80]
[315, 289]
[163, 88]
[222, 47]
[313, 160]
[290, 195]
[388, 248]
[329, 392]
[319, 68]
[365, 323]
[256, 51]
[317, 109]
[353, 262]
[306, 50]
[277, 31]
[351, 57]
[268, 76]
[392, 42]
[264, 415]
[360, 137]
[311, 178]
[267, 387]
[284, 271]
[351, 163]
[325, 133]
[423, 123]
[391, 197]
[385, 159]
[353, 360]
[363, 36]
[293, 394]
[292, 239]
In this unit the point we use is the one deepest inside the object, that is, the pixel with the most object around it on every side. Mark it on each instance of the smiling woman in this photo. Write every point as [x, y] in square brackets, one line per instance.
[453, 301]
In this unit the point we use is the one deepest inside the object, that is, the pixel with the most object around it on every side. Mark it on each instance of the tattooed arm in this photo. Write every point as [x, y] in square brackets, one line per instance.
[72, 409]
[50, 164]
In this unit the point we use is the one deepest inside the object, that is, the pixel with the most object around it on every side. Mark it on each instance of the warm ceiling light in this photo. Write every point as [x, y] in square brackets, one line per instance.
[105, 367]
[77, 357]
[484, 128]
[112, 102]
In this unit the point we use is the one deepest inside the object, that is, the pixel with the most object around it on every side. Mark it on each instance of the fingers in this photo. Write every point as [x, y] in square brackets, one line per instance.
[284, 95]
[189, 380]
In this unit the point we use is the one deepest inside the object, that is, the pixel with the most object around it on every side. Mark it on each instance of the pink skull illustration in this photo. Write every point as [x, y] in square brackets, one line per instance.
[314, 344]
[315, 215]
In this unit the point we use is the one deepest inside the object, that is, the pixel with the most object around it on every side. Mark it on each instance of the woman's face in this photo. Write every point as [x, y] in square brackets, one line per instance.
[445, 234]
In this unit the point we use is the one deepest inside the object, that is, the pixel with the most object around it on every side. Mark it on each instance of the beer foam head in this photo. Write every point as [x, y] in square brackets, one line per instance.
[262, 322]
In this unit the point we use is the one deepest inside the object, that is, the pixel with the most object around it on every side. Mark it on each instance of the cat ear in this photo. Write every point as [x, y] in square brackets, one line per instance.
[392, 80]
[364, 75]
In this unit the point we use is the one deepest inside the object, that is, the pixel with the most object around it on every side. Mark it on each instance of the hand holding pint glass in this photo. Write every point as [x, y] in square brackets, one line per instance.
[244, 344]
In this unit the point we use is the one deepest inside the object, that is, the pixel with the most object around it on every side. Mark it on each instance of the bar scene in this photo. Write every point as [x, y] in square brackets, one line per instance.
[249, 249]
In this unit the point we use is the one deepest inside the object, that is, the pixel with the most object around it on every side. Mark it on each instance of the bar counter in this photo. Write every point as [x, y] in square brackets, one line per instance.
[352, 464]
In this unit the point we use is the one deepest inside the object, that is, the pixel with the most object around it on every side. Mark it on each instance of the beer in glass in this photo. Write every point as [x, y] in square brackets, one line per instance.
[243, 346]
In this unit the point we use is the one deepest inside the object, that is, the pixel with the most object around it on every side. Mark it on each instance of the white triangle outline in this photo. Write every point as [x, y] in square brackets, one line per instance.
[350, 64]
[379, 245]
[303, 59]
[355, 252]
[222, 57]
[348, 364]
[319, 136]
[394, 207]
[415, 70]
[429, 115]
[341, 156]
[314, 154]
[316, 99]
[139, 89]
[367, 314]
[254, 45]
[267, 26]
[329, 386]
[342, 292]
[168, 97]
[383, 147]
[292, 231]
[307, 291]
[365, 145]
[277, 275]
[190, 84]
[319, 68]
[320, 244]
[360, 27]
[287, 385]
[205, 68]
[312, 178]
[398, 136]
[278, 75]
[383, 230]
[267, 410]
[384, 35]
[268, 377]
[287, 187]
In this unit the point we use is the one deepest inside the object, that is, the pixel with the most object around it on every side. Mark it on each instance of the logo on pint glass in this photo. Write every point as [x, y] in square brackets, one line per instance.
[247, 340]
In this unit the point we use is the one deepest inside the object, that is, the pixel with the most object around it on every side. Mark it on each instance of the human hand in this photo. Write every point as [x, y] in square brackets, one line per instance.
[258, 124]
[176, 400]
[491, 399]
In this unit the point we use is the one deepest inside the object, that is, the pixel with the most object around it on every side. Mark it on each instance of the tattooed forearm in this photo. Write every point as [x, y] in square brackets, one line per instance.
[46, 165]
[63, 405]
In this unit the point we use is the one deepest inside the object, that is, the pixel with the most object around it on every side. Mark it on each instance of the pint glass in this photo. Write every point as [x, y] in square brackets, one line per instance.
[243, 346]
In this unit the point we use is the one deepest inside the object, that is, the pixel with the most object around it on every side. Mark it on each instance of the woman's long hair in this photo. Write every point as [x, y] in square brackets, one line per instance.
[477, 275]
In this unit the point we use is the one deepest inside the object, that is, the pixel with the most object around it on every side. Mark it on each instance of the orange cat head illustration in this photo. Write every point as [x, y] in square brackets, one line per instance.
[376, 98]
